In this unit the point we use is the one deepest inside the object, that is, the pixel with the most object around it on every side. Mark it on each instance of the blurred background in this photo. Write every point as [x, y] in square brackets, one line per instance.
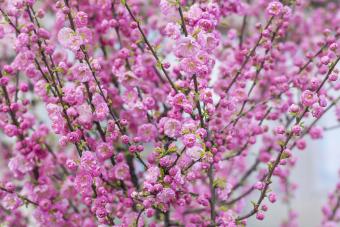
[316, 173]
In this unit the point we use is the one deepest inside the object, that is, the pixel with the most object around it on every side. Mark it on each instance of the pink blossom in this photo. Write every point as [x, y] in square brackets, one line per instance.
[195, 152]
[81, 19]
[259, 216]
[186, 47]
[172, 30]
[69, 39]
[104, 151]
[19, 165]
[88, 162]
[129, 79]
[166, 195]
[85, 114]
[83, 72]
[172, 127]
[274, 8]
[11, 201]
[308, 98]
[316, 132]
[152, 174]
[101, 111]
[272, 197]
[189, 140]
[121, 171]
[147, 132]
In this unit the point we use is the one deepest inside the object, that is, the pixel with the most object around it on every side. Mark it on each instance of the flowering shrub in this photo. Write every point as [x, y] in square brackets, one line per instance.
[161, 112]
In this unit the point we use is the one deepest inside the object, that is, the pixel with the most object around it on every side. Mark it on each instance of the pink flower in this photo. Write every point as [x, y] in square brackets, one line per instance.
[259, 216]
[272, 197]
[147, 132]
[172, 30]
[22, 39]
[294, 108]
[274, 8]
[86, 35]
[69, 39]
[83, 181]
[121, 171]
[316, 132]
[148, 60]
[308, 98]
[11, 130]
[104, 151]
[130, 98]
[203, 58]
[189, 140]
[195, 12]
[172, 128]
[11, 201]
[101, 111]
[296, 130]
[195, 152]
[189, 65]
[72, 165]
[81, 19]
[89, 163]
[83, 73]
[101, 213]
[19, 165]
[169, 9]
[152, 174]
[186, 47]
[179, 100]
[166, 195]
[259, 185]
[85, 114]
[208, 41]
[128, 79]
[280, 129]
[227, 219]
[224, 192]
[301, 144]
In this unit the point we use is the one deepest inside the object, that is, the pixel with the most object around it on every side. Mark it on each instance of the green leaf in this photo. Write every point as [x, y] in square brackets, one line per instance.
[58, 70]
[302, 124]
[172, 149]
[281, 142]
[4, 73]
[294, 114]
[224, 208]
[159, 65]
[205, 114]
[284, 155]
[123, 2]
[219, 183]
[270, 166]
[158, 150]
[48, 88]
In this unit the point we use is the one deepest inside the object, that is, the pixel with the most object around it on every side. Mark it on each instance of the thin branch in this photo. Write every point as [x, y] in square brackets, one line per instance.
[150, 47]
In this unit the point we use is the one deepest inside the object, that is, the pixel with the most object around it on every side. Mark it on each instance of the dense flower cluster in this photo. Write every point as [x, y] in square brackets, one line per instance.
[161, 112]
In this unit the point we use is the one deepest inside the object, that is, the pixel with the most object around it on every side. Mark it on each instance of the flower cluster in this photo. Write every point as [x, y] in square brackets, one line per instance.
[161, 113]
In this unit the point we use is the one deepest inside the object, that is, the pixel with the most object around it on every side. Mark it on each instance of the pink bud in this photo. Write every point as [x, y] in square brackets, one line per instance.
[259, 216]
[259, 185]
[272, 197]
